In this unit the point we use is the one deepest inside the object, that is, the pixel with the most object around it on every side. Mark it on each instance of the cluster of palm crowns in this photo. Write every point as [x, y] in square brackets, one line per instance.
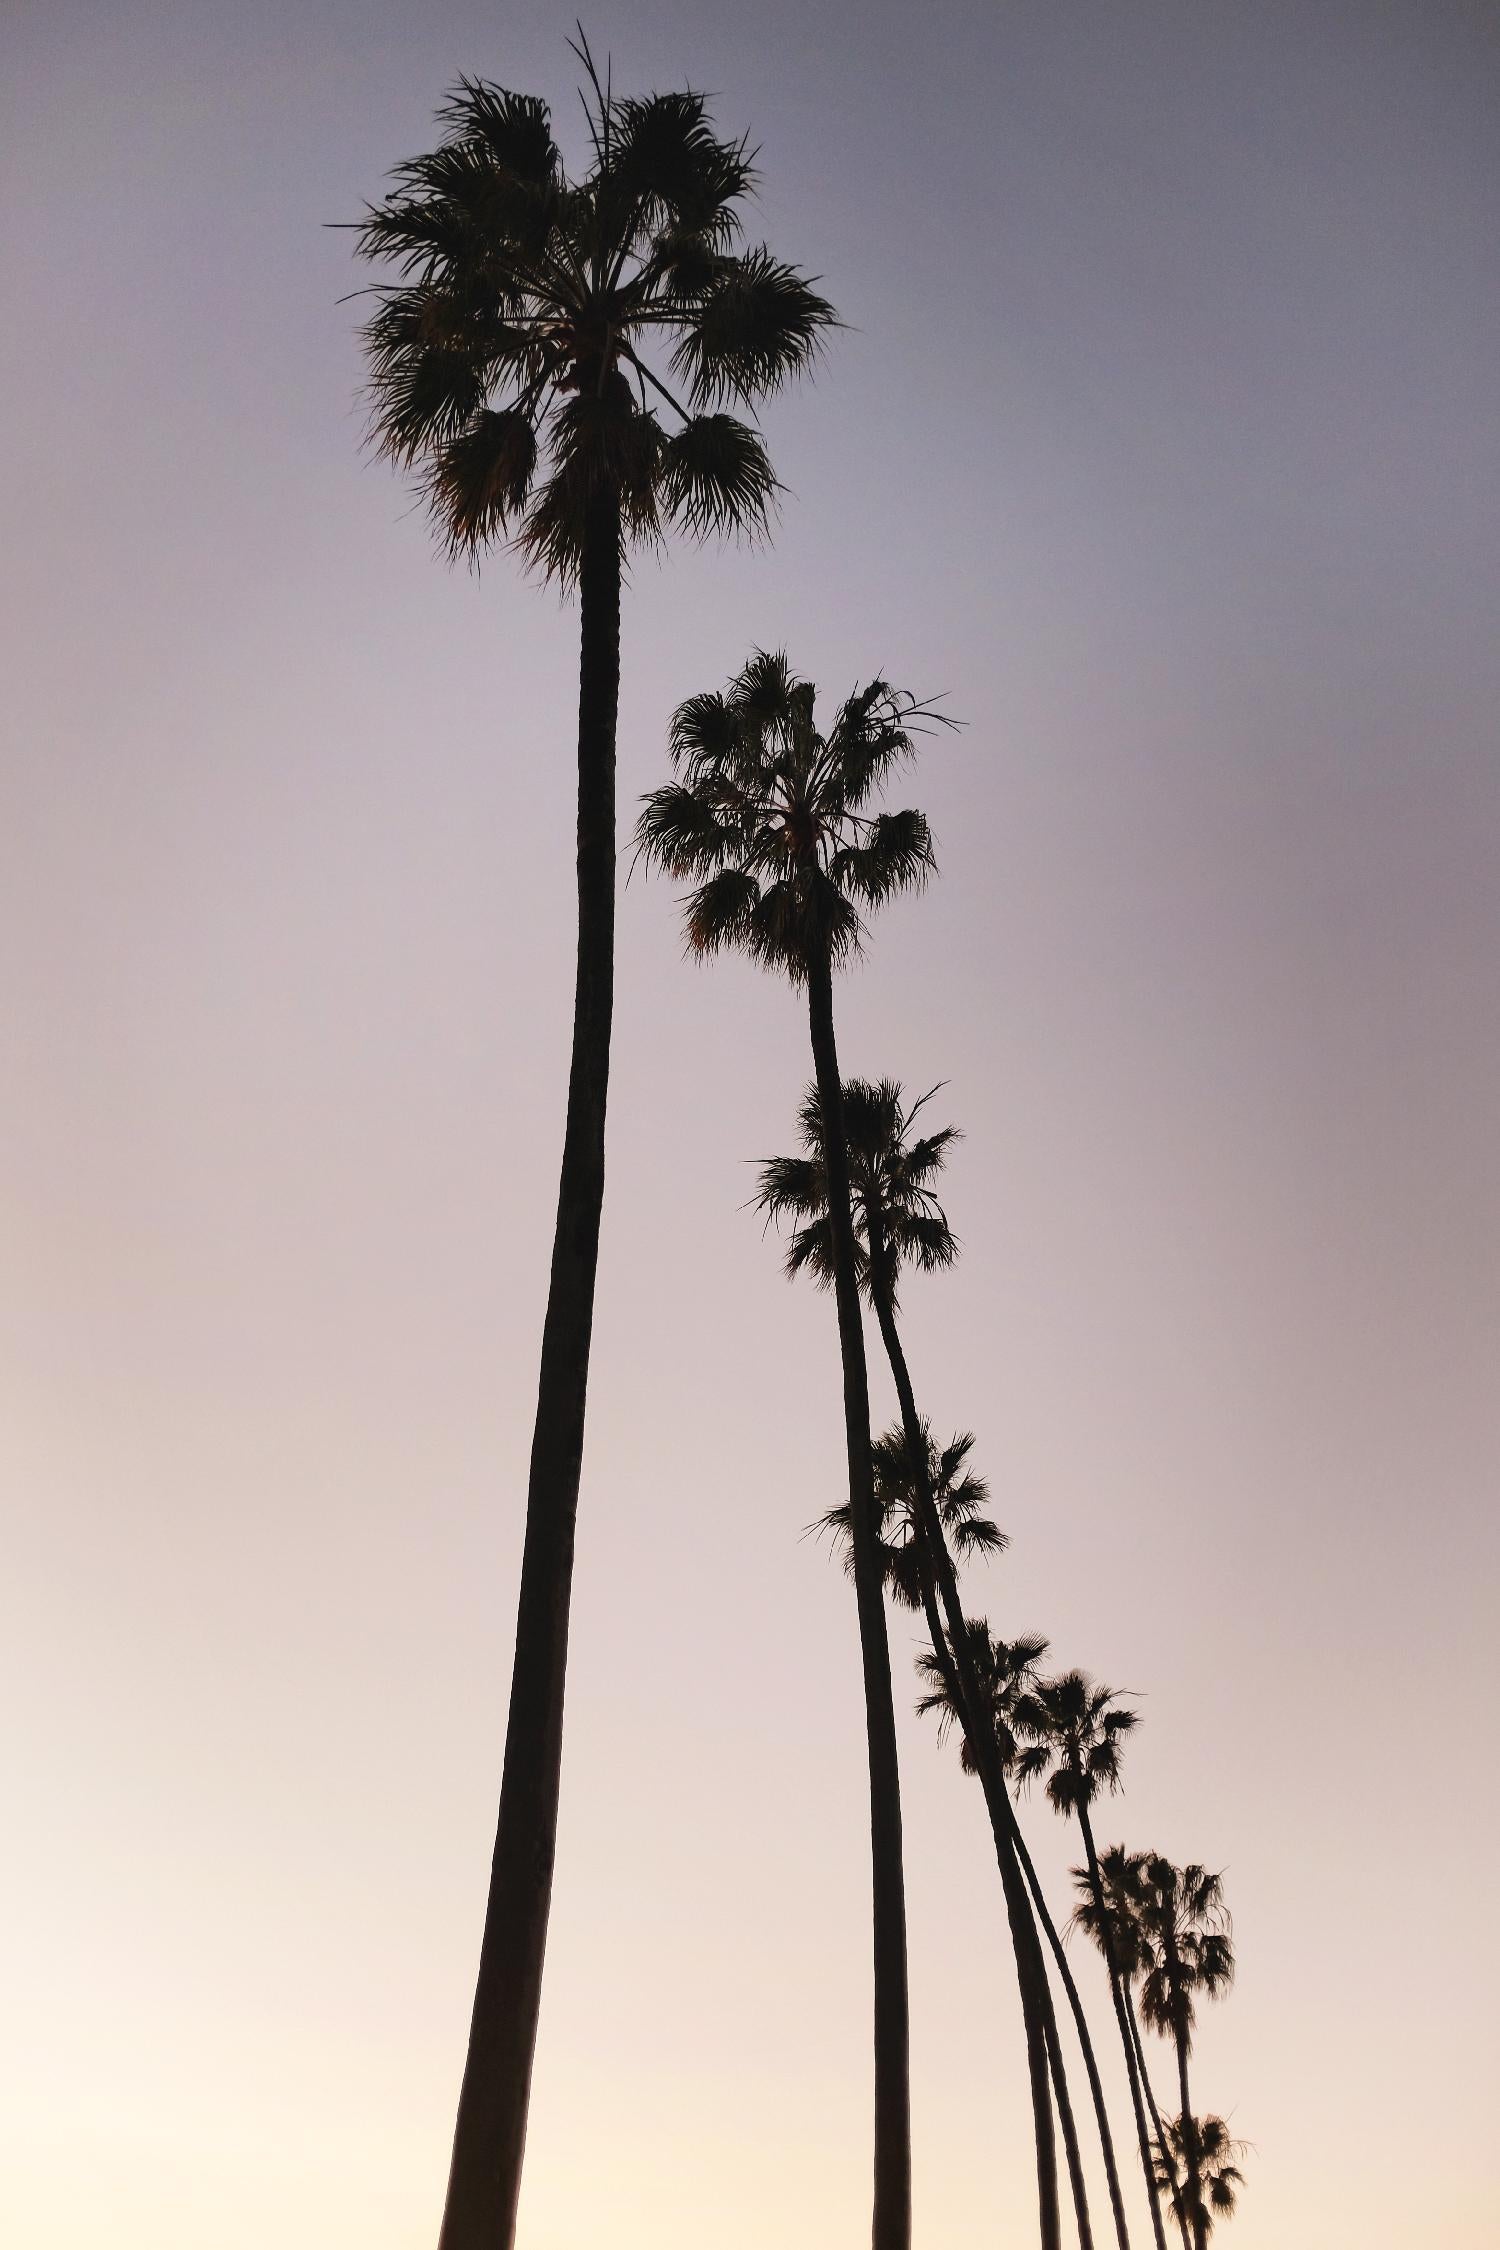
[513, 355]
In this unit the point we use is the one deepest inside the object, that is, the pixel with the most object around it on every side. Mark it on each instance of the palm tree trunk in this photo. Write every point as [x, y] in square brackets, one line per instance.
[891, 2229]
[1191, 2152]
[1043, 2054]
[1085, 2039]
[1139, 2047]
[1077, 2185]
[1112, 1964]
[484, 2180]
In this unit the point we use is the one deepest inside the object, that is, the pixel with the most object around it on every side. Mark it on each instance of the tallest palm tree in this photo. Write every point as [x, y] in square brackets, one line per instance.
[556, 358]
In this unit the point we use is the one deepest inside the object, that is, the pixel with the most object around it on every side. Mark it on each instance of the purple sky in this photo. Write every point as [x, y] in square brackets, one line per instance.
[1163, 439]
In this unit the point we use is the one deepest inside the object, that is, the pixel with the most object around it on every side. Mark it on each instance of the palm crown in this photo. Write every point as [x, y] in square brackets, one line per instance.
[1219, 2176]
[890, 1176]
[1171, 1929]
[511, 359]
[1005, 1670]
[1120, 1886]
[957, 1493]
[1075, 1730]
[767, 816]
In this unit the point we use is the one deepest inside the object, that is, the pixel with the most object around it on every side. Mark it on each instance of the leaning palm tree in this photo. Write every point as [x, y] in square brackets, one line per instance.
[1186, 1953]
[1220, 2178]
[768, 819]
[513, 356]
[898, 1221]
[1075, 1729]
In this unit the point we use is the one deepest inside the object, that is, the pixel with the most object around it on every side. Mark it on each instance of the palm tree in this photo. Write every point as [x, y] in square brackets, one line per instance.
[1220, 2177]
[898, 1220]
[1008, 1673]
[767, 819]
[1109, 1912]
[958, 1495]
[1076, 1730]
[510, 357]
[1176, 1924]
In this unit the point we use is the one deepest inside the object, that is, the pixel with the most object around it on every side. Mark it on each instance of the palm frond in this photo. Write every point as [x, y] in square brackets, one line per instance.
[894, 855]
[716, 476]
[757, 324]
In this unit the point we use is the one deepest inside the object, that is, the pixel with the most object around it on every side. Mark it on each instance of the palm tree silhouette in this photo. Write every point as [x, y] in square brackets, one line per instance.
[1218, 2164]
[1108, 1912]
[510, 364]
[899, 1221]
[1172, 1925]
[1007, 1672]
[767, 819]
[1076, 1730]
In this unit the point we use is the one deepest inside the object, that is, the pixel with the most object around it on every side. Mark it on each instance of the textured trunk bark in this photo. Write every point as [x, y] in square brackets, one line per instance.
[1111, 1962]
[891, 2227]
[484, 2180]
[1043, 2050]
[1085, 2041]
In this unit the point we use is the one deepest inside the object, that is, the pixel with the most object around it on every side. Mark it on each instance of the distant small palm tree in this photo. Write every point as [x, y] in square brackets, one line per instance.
[1218, 2161]
[1010, 1676]
[1108, 1912]
[1075, 1729]
[768, 818]
[511, 367]
[1172, 1925]
[898, 1221]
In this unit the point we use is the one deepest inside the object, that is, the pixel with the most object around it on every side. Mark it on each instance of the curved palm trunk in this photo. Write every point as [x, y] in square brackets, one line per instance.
[1112, 1964]
[1151, 2103]
[935, 1565]
[891, 2228]
[1085, 2039]
[484, 2180]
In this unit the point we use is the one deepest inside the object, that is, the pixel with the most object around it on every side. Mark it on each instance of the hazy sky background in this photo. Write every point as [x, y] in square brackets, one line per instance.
[1163, 439]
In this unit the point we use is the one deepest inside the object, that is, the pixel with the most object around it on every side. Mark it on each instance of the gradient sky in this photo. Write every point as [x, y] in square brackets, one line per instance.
[1162, 439]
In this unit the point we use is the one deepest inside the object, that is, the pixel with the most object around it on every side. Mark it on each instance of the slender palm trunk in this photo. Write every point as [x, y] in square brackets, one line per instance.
[891, 2228]
[1043, 2052]
[484, 2180]
[1077, 2185]
[1158, 2128]
[1085, 2039]
[1192, 2154]
[1112, 1964]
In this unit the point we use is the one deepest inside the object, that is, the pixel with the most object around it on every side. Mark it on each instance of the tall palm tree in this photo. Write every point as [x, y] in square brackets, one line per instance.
[899, 1221]
[767, 818]
[1076, 1729]
[511, 356]
[1220, 2178]
[1183, 1949]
